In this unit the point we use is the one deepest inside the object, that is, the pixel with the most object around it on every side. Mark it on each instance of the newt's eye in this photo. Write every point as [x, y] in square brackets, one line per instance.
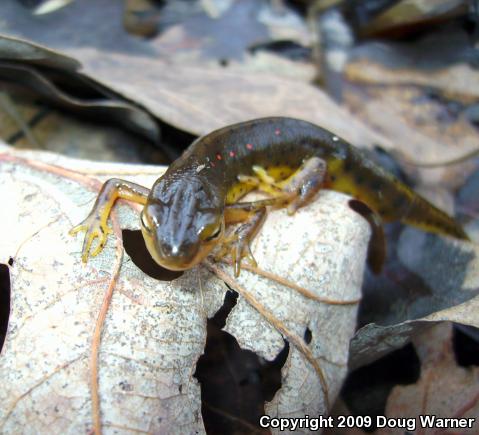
[144, 222]
[215, 234]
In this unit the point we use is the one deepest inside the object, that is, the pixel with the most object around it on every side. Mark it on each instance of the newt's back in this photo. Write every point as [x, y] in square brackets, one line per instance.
[280, 145]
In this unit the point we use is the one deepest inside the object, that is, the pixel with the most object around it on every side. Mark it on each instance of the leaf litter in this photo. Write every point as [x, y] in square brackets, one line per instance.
[453, 299]
[444, 390]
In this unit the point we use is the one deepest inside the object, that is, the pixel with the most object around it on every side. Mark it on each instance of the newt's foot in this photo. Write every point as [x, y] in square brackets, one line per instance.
[237, 246]
[94, 229]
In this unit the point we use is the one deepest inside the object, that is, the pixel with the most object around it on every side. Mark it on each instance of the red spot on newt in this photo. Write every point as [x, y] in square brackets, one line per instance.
[218, 156]
[277, 132]
[232, 154]
[249, 146]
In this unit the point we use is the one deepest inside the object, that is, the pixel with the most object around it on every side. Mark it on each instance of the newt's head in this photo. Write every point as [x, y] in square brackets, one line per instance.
[181, 222]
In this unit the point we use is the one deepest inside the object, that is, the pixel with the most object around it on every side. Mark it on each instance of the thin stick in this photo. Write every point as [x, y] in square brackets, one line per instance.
[80, 178]
[429, 165]
[287, 283]
[96, 340]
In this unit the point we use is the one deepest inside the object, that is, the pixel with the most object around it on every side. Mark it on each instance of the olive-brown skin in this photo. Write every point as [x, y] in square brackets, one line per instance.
[183, 217]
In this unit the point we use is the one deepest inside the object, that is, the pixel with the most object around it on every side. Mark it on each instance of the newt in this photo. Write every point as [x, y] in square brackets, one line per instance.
[187, 209]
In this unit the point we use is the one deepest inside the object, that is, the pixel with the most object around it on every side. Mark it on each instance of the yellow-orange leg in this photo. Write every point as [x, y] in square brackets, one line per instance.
[304, 183]
[294, 192]
[95, 225]
[251, 215]
[261, 181]
[298, 189]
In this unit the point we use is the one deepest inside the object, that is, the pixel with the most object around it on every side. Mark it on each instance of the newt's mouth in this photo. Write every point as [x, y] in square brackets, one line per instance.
[174, 264]
[175, 258]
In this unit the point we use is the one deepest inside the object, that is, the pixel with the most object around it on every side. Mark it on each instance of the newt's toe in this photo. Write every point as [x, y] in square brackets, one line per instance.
[94, 229]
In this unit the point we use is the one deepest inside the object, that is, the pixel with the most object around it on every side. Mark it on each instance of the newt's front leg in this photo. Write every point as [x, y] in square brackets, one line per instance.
[293, 193]
[251, 215]
[95, 225]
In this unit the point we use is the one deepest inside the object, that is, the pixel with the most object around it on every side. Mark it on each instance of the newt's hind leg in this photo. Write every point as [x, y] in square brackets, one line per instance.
[304, 183]
[296, 190]
[95, 225]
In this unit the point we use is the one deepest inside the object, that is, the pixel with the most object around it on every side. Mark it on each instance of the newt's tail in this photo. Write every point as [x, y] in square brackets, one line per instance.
[383, 193]
[422, 214]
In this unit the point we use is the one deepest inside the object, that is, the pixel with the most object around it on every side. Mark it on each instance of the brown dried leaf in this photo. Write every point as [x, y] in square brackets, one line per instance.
[200, 99]
[448, 271]
[421, 128]
[154, 331]
[444, 389]
[12, 48]
[196, 98]
[414, 13]
[40, 83]
[459, 81]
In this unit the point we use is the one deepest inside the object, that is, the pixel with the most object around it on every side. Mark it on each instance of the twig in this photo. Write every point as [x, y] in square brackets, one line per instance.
[287, 283]
[96, 341]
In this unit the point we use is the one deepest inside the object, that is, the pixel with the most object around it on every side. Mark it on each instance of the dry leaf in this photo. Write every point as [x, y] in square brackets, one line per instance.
[24, 63]
[444, 389]
[448, 272]
[12, 48]
[199, 99]
[410, 13]
[450, 268]
[154, 331]
[98, 107]
[206, 30]
[421, 128]
[457, 82]
[97, 23]
[434, 278]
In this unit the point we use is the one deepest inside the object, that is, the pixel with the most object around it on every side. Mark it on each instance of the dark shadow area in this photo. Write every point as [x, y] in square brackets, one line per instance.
[308, 336]
[135, 247]
[4, 300]
[174, 141]
[465, 342]
[390, 307]
[235, 383]
[78, 96]
[422, 274]
[289, 49]
[366, 389]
